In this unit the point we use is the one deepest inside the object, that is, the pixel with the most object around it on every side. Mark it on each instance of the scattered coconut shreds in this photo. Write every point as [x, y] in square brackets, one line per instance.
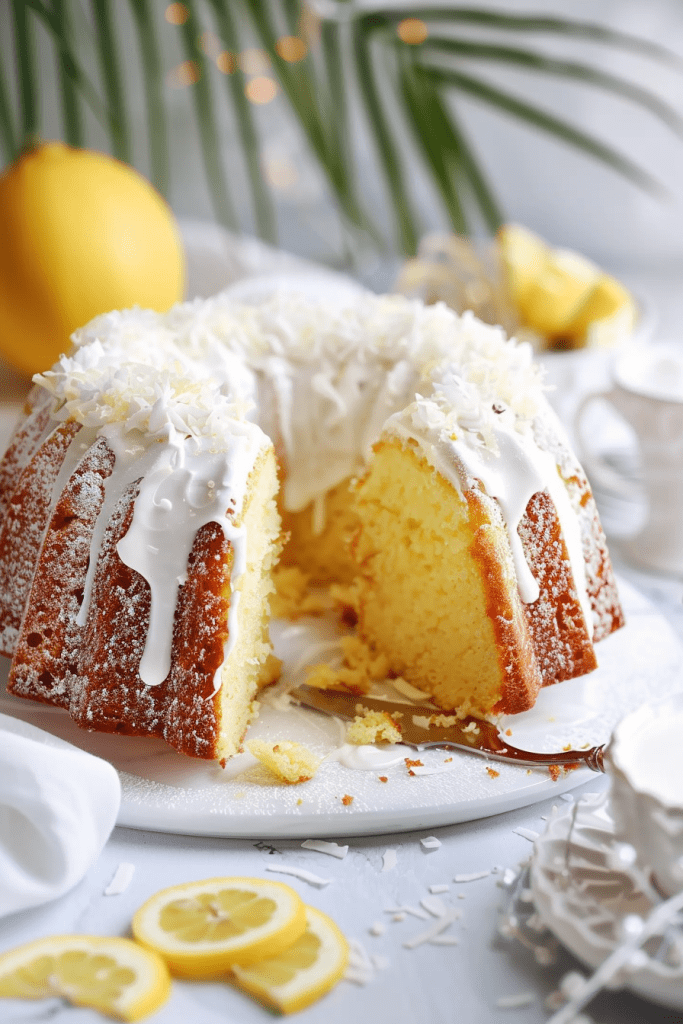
[123, 876]
[474, 877]
[435, 906]
[360, 969]
[321, 846]
[389, 860]
[430, 843]
[444, 940]
[526, 833]
[439, 926]
[442, 887]
[513, 1002]
[415, 911]
[380, 963]
[305, 876]
[378, 928]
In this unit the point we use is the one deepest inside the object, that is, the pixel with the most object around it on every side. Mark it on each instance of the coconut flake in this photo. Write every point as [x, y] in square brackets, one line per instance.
[122, 878]
[435, 906]
[305, 876]
[389, 860]
[321, 846]
[474, 877]
[440, 887]
[526, 833]
[430, 843]
[436, 929]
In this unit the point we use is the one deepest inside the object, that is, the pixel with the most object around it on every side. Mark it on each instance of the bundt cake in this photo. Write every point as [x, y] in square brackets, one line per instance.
[420, 466]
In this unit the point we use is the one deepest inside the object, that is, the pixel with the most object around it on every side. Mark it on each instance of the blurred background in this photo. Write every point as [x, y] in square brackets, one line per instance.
[343, 131]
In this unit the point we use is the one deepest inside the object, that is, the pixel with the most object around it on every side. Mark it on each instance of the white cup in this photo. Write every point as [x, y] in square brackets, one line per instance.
[643, 760]
[647, 391]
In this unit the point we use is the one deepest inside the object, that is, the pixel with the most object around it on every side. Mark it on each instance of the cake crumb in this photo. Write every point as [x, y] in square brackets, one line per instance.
[383, 778]
[508, 732]
[554, 770]
[347, 800]
[360, 669]
[293, 597]
[493, 773]
[410, 764]
[291, 762]
[372, 727]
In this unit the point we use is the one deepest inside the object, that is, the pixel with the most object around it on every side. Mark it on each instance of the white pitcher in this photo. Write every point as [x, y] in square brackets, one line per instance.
[647, 390]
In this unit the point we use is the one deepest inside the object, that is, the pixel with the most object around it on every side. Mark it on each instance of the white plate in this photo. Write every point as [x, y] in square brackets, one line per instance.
[166, 791]
[583, 898]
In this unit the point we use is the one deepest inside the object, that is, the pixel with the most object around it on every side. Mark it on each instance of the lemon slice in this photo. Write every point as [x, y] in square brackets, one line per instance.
[202, 928]
[115, 976]
[525, 257]
[304, 972]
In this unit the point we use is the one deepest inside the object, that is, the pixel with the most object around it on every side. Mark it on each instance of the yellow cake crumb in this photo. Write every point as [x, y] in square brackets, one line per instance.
[347, 800]
[493, 773]
[372, 727]
[291, 762]
[293, 597]
[361, 668]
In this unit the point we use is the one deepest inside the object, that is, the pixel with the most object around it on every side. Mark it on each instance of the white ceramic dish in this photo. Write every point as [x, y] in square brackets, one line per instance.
[583, 897]
[647, 795]
[165, 791]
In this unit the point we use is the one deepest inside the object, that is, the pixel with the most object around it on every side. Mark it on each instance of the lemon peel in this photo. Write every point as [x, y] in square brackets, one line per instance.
[301, 974]
[115, 976]
[202, 929]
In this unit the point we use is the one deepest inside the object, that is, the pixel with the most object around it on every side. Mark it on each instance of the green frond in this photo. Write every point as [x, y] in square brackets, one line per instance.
[528, 60]
[71, 104]
[111, 79]
[24, 45]
[551, 125]
[153, 78]
[208, 133]
[235, 83]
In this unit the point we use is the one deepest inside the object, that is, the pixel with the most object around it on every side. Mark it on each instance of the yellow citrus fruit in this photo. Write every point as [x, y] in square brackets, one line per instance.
[116, 976]
[302, 973]
[202, 929]
[80, 234]
[562, 296]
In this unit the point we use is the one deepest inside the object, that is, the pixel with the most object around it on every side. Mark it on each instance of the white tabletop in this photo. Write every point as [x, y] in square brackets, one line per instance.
[439, 984]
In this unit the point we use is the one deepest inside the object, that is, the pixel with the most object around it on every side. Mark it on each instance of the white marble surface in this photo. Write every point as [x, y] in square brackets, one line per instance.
[436, 984]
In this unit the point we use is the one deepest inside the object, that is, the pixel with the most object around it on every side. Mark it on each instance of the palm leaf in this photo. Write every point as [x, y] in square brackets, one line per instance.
[69, 61]
[153, 78]
[435, 139]
[262, 203]
[7, 135]
[550, 124]
[111, 77]
[526, 23]
[386, 148]
[71, 104]
[584, 73]
[201, 92]
[28, 76]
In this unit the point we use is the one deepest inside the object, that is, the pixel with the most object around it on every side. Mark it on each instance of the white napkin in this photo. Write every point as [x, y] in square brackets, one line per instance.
[58, 806]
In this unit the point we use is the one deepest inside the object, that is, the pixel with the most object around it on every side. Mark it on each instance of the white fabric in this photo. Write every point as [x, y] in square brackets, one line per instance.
[58, 806]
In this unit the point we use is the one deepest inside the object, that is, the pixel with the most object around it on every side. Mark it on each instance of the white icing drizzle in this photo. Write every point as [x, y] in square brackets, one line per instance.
[172, 394]
[368, 758]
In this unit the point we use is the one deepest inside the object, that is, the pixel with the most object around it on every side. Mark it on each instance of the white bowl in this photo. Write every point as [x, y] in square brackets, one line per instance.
[645, 761]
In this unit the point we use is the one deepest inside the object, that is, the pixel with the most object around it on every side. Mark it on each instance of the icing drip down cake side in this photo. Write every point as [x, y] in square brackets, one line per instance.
[168, 462]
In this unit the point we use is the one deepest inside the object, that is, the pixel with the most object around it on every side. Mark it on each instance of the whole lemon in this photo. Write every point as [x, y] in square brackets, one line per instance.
[80, 234]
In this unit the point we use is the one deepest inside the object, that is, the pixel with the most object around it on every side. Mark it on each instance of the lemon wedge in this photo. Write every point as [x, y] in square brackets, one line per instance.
[304, 972]
[202, 928]
[115, 976]
[562, 296]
